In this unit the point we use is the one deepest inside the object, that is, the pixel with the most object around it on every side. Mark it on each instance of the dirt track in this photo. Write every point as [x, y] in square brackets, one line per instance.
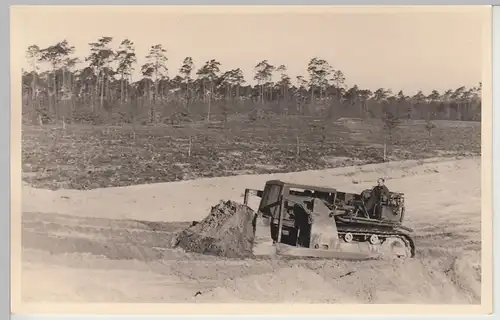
[77, 257]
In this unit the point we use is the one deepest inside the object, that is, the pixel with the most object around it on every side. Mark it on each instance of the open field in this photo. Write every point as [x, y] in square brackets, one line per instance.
[88, 157]
[105, 245]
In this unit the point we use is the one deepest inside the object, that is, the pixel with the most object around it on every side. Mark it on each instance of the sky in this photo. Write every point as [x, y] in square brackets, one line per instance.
[407, 49]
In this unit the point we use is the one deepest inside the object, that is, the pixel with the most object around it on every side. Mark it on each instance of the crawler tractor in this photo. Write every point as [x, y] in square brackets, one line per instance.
[313, 221]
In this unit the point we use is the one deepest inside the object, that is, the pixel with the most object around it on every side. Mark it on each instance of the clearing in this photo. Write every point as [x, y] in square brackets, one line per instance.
[105, 244]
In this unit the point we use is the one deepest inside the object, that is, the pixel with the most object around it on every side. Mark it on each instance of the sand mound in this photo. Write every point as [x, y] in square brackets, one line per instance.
[228, 231]
[285, 285]
[454, 280]
[447, 279]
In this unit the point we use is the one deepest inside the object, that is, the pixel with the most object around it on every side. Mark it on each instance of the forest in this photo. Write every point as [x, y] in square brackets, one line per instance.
[97, 89]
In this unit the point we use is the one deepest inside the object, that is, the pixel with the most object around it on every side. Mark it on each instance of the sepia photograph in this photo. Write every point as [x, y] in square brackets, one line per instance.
[251, 154]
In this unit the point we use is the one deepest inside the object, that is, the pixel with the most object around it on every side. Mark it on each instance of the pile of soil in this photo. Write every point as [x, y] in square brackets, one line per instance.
[228, 231]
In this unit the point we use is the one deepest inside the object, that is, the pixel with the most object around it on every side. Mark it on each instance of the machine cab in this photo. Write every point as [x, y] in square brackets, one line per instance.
[270, 203]
[279, 197]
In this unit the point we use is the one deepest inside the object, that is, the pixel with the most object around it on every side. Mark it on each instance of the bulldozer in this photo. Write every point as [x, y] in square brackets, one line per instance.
[321, 222]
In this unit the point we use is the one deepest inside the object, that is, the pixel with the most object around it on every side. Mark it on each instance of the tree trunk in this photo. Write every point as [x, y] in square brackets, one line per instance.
[54, 94]
[64, 95]
[127, 98]
[33, 85]
[122, 88]
[209, 103]
[33, 93]
[262, 94]
[188, 95]
[103, 81]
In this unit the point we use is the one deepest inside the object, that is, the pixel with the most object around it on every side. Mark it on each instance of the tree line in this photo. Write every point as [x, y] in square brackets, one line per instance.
[102, 91]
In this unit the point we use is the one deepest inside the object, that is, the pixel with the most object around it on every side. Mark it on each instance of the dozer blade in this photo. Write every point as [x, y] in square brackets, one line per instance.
[287, 250]
[324, 233]
[263, 243]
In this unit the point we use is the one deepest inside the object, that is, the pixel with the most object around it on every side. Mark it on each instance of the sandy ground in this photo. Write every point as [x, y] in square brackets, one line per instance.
[105, 245]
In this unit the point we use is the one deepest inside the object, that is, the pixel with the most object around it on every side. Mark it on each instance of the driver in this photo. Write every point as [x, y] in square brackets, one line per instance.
[379, 191]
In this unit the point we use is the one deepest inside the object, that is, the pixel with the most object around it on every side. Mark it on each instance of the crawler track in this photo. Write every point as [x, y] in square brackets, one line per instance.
[361, 234]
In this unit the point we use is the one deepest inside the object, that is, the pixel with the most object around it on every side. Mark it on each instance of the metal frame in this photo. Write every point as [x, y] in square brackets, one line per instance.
[301, 186]
[285, 191]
